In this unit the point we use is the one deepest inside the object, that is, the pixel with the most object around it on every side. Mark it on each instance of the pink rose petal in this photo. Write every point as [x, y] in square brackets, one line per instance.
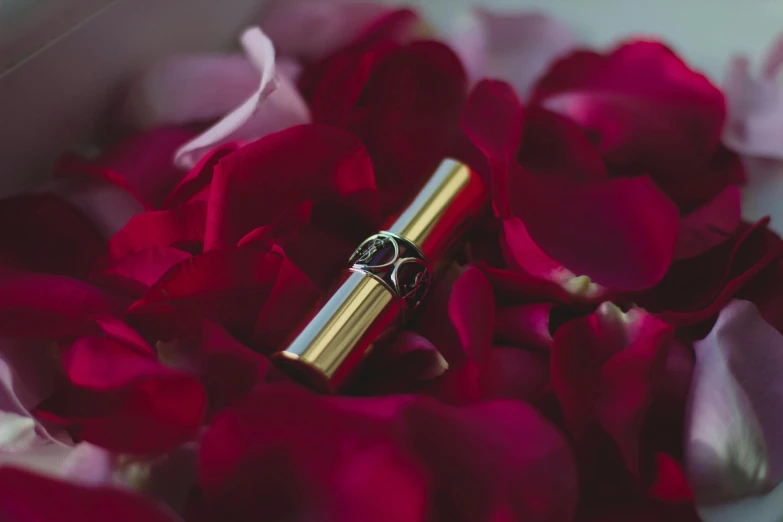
[755, 106]
[312, 29]
[511, 46]
[734, 436]
[274, 106]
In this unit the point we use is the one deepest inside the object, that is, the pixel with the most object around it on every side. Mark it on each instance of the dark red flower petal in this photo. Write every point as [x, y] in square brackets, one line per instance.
[620, 232]
[524, 325]
[516, 373]
[646, 110]
[183, 226]
[45, 233]
[290, 300]
[27, 496]
[284, 453]
[228, 369]
[125, 401]
[514, 287]
[766, 291]
[472, 312]
[606, 369]
[328, 166]
[228, 286]
[709, 225]
[409, 358]
[135, 273]
[670, 484]
[43, 306]
[497, 460]
[143, 164]
[199, 177]
[695, 289]
[406, 139]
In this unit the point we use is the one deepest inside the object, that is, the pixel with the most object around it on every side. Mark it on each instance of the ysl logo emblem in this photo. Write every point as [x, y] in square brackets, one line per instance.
[420, 281]
[371, 249]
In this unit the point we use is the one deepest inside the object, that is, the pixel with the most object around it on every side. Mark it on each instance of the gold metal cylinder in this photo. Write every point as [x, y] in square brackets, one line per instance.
[371, 300]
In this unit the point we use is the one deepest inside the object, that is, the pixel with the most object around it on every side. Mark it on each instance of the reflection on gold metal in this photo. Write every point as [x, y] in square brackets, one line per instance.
[383, 286]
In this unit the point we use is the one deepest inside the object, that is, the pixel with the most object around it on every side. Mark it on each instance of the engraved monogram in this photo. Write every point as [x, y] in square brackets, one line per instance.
[397, 263]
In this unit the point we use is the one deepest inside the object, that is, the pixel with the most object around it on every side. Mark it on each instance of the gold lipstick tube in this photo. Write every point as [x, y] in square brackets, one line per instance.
[388, 277]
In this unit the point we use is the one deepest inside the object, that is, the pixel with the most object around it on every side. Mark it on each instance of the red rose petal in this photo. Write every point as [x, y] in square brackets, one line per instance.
[135, 273]
[400, 365]
[516, 373]
[671, 484]
[26, 496]
[142, 164]
[125, 401]
[40, 306]
[408, 139]
[197, 178]
[290, 299]
[309, 162]
[472, 312]
[524, 325]
[334, 462]
[709, 225]
[492, 119]
[696, 289]
[620, 232]
[649, 112]
[228, 286]
[499, 478]
[605, 370]
[45, 233]
[288, 223]
[182, 226]
[514, 287]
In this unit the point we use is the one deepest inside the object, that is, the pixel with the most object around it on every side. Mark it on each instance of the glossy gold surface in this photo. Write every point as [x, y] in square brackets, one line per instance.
[340, 334]
[436, 216]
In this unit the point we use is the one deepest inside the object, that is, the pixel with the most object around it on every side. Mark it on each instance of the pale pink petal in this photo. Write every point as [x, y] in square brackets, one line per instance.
[515, 47]
[186, 89]
[709, 225]
[274, 106]
[311, 29]
[734, 430]
[755, 106]
[89, 464]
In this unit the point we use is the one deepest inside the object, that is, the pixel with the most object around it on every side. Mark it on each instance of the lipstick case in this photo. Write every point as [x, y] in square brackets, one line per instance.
[387, 278]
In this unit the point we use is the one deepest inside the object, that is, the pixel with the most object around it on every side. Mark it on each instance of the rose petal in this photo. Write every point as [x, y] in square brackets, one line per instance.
[515, 287]
[407, 139]
[647, 110]
[198, 178]
[472, 312]
[45, 233]
[499, 478]
[524, 325]
[733, 435]
[228, 286]
[524, 256]
[606, 369]
[515, 47]
[28, 496]
[28, 374]
[335, 174]
[620, 232]
[408, 359]
[695, 289]
[187, 89]
[671, 484]
[135, 273]
[709, 225]
[275, 105]
[125, 401]
[755, 113]
[140, 164]
[310, 30]
[42, 306]
[516, 373]
[344, 463]
[183, 226]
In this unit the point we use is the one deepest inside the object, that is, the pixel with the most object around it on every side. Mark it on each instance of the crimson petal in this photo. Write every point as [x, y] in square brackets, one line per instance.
[41, 306]
[197, 178]
[26, 496]
[135, 273]
[45, 233]
[620, 232]
[125, 401]
[256, 183]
